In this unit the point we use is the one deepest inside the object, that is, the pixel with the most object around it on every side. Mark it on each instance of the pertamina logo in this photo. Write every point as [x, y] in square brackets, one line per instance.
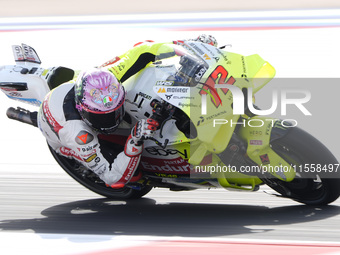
[206, 57]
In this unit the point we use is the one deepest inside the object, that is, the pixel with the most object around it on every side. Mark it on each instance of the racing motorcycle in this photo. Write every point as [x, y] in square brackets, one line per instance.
[209, 136]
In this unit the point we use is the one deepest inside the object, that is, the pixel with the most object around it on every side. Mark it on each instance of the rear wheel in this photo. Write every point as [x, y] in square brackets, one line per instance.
[91, 181]
[317, 184]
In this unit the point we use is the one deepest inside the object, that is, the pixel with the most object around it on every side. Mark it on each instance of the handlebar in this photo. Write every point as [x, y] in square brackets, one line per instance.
[162, 112]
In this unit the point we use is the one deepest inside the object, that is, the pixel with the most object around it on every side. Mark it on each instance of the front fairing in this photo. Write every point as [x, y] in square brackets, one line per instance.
[188, 76]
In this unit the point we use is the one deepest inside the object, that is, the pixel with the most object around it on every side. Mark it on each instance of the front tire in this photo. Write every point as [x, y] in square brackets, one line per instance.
[298, 147]
[91, 181]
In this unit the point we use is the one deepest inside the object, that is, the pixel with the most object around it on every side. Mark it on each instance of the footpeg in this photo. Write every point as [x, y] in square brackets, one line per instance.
[22, 115]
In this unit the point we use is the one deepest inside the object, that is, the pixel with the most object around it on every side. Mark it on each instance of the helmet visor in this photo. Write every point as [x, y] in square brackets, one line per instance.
[105, 123]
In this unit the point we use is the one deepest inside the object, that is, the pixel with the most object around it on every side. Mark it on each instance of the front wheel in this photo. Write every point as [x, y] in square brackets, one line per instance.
[91, 181]
[311, 186]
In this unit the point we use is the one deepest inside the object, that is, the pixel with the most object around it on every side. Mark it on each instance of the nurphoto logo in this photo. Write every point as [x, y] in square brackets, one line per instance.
[239, 102]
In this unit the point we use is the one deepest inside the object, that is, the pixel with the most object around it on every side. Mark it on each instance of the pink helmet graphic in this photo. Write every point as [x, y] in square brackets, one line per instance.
[100, 100]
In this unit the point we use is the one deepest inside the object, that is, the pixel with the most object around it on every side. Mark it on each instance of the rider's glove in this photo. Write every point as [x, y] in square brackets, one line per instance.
[208, 39]
[143, 130]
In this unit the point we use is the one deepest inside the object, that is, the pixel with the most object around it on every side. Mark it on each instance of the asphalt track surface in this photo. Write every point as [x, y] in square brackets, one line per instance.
[53, 203]
[40, 199]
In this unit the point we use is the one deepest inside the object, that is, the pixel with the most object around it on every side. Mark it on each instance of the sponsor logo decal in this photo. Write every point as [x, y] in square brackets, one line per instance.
[161, 90]
[255, 142]
[177, 165]
[164, 83]
[69, 153]
[84, 137]
[206, 57]
[130, 168]
[168, 97]
[264, 159]
[166, 152]
[173, 90]
[89, 159]
[54, 125]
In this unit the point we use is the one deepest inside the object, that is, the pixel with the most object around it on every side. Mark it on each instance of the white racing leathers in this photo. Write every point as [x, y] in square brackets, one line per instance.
[70, 136]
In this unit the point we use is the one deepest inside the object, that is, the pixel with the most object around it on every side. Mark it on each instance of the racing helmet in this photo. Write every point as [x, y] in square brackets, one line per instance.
[100, 100]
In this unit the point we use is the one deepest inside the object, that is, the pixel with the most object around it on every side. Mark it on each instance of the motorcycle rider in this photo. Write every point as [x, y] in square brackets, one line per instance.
[73, 115]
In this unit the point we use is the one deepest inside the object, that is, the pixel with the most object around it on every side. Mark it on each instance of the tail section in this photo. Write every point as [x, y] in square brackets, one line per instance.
[27, 81]
[26, 55]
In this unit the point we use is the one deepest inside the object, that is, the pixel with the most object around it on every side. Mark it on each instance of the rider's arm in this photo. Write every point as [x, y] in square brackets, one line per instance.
[134, 60]
[137, 58]
[82, 144]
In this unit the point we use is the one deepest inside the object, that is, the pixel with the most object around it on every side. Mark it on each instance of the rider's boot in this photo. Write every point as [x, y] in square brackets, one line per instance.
[235, 154]
[23, 115]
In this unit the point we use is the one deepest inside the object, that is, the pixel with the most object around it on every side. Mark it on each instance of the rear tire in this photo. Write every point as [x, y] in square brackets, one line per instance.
[91, 181]
[298, 147]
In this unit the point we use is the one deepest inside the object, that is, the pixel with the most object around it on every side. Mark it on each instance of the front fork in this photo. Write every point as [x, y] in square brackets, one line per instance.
[258, 132]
